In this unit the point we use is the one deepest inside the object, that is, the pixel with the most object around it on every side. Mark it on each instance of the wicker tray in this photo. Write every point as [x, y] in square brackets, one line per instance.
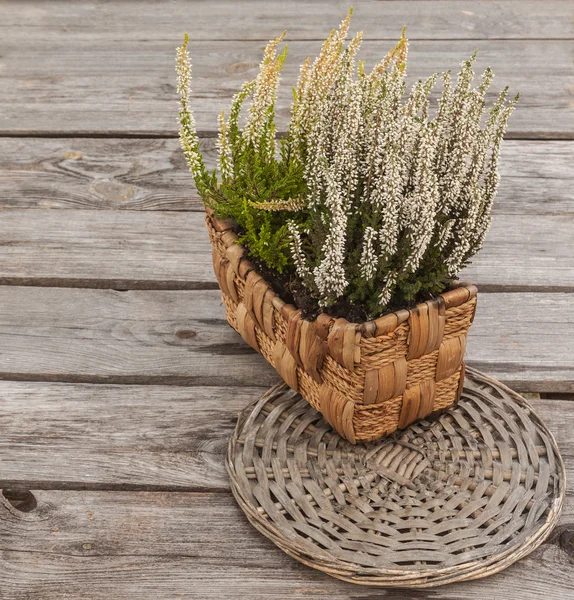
[453, 499]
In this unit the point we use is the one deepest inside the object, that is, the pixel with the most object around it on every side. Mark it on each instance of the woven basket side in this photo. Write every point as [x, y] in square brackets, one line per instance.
[366, 379]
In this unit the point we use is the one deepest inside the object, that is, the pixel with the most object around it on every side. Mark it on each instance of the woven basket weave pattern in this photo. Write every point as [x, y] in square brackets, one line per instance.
[368, 379]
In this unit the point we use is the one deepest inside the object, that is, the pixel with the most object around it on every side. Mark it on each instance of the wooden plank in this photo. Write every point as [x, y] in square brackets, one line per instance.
[252, 20]
[111, 249]
[150, 174]
[85, 436]
[536, 178]
[104, 336]
[181, 338]
[101, 545]
[171, 250]
[135, 174]
[104, 437]
[526, 253]
[526, 340]
[120, 87]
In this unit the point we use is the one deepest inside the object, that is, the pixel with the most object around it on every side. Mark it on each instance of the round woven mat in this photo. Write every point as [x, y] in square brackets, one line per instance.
[447, 500]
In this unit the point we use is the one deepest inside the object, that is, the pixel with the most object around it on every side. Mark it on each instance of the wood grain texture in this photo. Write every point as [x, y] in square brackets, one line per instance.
[171, 250]
[98, 545]
[151, 174]
[123, 337]
[531, 352]
[142, 174]
[110, 437]
[112, 249]
[123, 87]
[182, 338]
[82, 436]
[525, 252]
[252, 20]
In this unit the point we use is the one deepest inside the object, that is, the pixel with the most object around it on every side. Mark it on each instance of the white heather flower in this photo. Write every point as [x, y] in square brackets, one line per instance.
[187, 133]
[312, 91]
[365, 150]
[334, 168]
[224, 147]
[444, 234]
[460, 115]
[369, 258]
[410, 189]
[388, 289]
[392, 188]
[418, 101]
[330, 277]
[259, 127]
[422, 205]
[297, 253]
[443, 120]
[295, 130]
[472, 228]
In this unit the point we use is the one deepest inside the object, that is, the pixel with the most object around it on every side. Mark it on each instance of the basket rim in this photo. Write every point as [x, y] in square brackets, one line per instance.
[460, 293]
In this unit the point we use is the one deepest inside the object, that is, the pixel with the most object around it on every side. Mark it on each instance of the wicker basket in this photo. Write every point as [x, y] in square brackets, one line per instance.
[368, 379]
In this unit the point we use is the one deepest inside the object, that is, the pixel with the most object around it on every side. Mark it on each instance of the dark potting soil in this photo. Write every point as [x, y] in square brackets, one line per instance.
[290, 290]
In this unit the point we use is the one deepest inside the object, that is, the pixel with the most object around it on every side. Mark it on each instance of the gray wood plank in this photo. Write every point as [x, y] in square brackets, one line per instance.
[111, 249]
[526, 252]
[123, 337]
[85, 436]
[252, 20]
[171, 250]
[150, 174]
[135, 174]
[111, 437]
[70, 87]
[181, 338]
[525, 339]
[101, 545]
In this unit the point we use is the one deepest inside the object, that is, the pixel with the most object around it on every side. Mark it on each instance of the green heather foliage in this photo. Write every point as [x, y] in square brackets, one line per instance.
[372, 201]
[256, 186]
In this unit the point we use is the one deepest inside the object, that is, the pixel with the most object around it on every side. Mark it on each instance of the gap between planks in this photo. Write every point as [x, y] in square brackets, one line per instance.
[125, 285]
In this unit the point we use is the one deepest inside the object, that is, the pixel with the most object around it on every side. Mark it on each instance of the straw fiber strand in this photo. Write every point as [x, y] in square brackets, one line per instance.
[368, 379]
[448, 499]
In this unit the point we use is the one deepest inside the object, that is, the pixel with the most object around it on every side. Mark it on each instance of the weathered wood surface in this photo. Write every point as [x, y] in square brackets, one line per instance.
[101, 545]
[525, 253]
[182, 338]
[171, 250]
[136, 174]
[128, 88]
[134, 499]
[253, 20]
[112, 249]
[79, 436]
[123, 337]
[151, 174]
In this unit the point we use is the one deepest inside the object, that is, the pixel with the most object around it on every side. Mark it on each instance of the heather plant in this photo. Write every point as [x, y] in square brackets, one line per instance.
[372, 201]
[256, 184]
